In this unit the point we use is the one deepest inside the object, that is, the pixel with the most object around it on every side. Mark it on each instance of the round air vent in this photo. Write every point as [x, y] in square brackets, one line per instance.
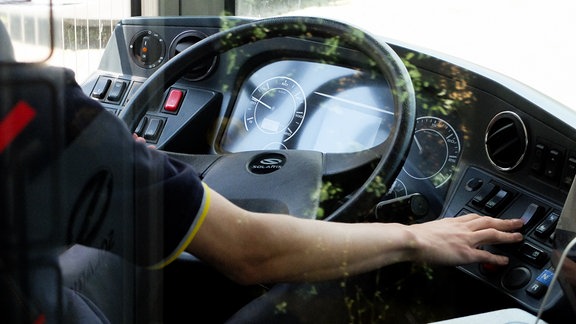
[506, 141]
[182, 42]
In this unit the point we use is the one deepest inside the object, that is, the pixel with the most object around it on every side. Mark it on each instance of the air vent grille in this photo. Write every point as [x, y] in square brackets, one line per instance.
[506, 141]
[186, 39]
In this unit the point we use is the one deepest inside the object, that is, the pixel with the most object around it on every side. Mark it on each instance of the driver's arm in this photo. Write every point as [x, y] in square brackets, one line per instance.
[257, 248]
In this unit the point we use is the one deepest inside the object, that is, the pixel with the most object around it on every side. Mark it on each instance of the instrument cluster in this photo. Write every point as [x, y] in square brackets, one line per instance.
[309, 106]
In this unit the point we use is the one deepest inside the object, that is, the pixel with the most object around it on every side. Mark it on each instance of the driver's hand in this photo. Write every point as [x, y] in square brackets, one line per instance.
[142, 140]
[454, 241]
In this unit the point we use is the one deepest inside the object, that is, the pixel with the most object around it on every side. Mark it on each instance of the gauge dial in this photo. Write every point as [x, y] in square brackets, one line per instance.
[148, 49]
[277, 105]
[434, 151]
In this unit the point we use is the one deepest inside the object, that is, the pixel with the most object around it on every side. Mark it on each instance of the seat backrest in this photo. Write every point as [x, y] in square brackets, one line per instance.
[23, 99]
[55, 180]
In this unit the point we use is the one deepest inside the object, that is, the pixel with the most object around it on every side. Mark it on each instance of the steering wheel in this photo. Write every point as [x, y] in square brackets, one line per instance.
[289, 181]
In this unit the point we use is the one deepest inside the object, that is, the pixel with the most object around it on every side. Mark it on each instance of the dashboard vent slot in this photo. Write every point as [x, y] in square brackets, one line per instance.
[506, 141]
[182, 42]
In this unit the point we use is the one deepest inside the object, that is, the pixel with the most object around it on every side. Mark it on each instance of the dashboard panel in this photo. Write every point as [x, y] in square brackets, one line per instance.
[483, 143]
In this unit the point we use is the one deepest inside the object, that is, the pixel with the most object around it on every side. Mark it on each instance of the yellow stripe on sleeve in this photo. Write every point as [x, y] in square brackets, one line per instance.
[202, 212]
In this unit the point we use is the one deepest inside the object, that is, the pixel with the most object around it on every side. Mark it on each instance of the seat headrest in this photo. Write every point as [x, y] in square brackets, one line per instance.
[6, 50]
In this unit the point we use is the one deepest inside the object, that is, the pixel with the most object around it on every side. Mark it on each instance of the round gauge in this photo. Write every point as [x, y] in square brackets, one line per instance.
[277, 105]
[148, 49]
[397, 190]
[434, 151]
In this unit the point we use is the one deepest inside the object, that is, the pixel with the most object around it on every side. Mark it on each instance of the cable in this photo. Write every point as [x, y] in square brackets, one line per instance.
[555, 277]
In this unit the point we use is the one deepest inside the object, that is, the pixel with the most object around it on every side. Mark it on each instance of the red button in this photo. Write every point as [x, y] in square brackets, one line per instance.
[173, 100]
[490, 268]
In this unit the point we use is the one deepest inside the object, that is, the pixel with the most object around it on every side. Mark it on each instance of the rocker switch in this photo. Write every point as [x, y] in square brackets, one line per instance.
[153, 129]
[547, 226]
[553, 164]
[498, 201]
[101, 88]
[117, 90]
[532, 213]
[173, 101]
[485, 193]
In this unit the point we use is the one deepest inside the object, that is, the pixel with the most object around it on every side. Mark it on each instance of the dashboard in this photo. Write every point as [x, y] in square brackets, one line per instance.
[482, 143]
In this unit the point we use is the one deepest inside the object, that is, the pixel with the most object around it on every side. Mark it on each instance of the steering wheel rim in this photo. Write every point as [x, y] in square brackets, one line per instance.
[391, 153]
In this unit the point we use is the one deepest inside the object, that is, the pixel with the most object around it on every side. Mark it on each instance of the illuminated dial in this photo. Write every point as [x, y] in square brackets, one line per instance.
[434, 151]
[277, 106]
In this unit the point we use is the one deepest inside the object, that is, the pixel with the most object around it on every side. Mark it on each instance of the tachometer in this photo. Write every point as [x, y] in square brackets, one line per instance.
[434, 152]
[277, 105]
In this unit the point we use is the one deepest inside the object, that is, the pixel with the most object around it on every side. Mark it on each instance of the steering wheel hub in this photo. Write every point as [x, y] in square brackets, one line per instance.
[267, 163]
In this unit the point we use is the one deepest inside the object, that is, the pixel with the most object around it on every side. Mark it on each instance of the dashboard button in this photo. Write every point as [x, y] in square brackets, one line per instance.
[534, 255]
[553, 164]
[546, 227]
[117, 90]
[490, 269]
[101, 88]
[153, 129]
[141, 126]
[173, 101]
[486, 192]
[539, 156]
[539, 287]
[532, 213]
[497, 202]
[545, 277]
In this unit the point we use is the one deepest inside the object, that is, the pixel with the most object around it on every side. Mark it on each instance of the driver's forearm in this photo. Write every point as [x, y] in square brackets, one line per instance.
[255, 248]
[311, 251]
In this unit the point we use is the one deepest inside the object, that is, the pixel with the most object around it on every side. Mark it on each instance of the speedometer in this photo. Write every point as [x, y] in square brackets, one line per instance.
[434, 152]
[277, 105]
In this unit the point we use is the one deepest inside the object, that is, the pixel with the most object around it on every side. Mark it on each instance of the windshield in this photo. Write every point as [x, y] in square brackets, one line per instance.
[311, 123]
[528, 40]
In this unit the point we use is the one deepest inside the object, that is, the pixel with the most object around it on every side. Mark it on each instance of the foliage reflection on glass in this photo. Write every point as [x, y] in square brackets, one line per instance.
[373, 302]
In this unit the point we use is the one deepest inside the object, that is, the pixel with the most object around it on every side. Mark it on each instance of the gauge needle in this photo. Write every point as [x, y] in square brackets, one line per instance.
[418, 144]
[261, 102]
[358, 104]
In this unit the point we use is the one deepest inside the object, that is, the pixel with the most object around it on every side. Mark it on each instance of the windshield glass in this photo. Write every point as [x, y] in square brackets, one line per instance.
[302, 124]
[528, 40]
